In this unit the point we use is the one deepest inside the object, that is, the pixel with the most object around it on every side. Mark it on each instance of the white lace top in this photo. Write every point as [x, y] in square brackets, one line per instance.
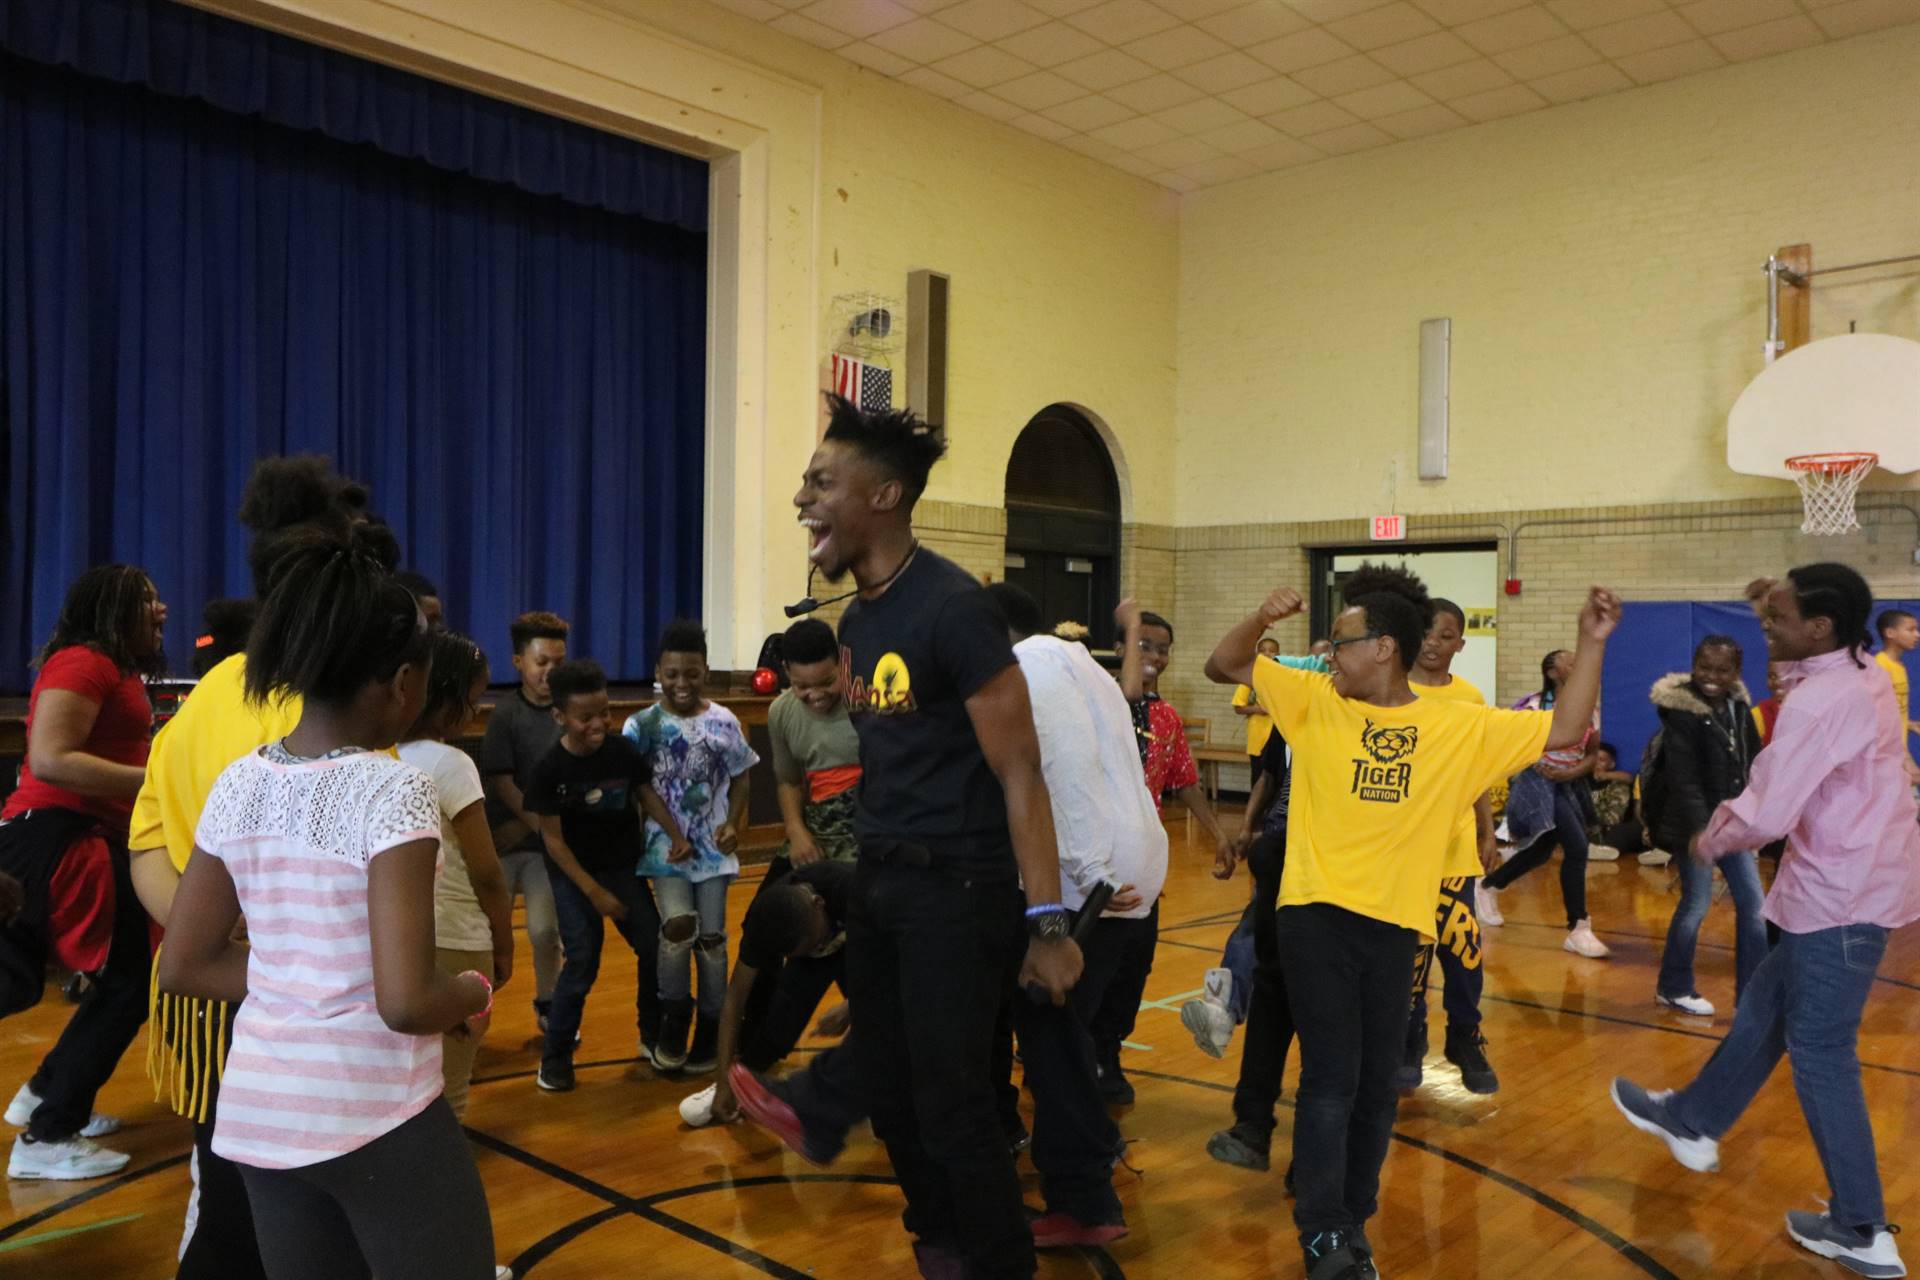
[314, 1072]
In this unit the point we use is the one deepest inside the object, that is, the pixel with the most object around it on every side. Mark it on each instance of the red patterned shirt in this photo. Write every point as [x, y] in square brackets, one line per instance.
[1163, 748]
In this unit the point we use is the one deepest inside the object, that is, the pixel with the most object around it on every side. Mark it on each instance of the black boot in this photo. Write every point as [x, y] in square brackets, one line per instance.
[1467, 1050]
[701, 1059]
[670, 1050]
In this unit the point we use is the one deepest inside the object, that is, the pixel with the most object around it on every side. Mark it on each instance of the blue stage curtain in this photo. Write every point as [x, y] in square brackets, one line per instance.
[183, 290]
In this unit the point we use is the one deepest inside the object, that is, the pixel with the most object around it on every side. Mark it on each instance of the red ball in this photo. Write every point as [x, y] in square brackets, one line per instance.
[765, 681]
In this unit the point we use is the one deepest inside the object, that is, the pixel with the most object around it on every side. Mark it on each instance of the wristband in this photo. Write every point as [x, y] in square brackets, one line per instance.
[1046, 909]
[486, 982]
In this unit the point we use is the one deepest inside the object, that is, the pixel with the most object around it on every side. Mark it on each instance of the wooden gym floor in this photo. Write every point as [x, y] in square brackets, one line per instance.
[1542, 1179]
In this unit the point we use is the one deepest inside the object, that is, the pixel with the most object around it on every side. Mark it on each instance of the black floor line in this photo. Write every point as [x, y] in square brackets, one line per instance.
[32, 1220]
[1204, 921]
[1625, 1248]
[1190, 946]
[534, 1071]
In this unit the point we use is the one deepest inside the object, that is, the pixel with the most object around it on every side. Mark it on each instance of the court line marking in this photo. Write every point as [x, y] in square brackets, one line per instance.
[52, 1211]
[46, 1237]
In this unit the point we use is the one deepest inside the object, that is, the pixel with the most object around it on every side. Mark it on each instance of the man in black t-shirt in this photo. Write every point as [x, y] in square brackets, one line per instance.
[953, 817]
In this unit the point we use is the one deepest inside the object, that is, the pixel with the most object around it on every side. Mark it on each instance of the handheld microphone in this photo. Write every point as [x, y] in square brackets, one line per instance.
[1083, 922]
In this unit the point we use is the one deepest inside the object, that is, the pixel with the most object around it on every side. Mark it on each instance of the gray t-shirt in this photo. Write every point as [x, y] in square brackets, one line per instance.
[805, 743]
[519, 735]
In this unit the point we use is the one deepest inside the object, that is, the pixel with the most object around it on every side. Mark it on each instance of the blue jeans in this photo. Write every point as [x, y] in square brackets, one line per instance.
[1742, 875]
[1804, 1000]
[1239, 958]
[583, 933]
[706, 902]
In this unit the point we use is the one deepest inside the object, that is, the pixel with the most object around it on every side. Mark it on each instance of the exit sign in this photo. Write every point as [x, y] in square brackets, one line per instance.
[1389, 528]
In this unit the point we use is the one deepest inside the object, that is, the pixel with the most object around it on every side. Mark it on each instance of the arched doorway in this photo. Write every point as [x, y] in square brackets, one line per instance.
[1063, 520]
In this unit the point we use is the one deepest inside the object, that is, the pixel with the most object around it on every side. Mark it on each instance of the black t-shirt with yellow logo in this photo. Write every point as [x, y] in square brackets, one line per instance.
[912, 658]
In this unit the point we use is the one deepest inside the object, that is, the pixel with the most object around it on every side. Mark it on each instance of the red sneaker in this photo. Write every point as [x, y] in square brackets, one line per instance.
[769, 1112]
[1063, 1230]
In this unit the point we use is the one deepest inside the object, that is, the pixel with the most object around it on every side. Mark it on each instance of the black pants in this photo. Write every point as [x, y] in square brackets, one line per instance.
[1569, 831]
[223, 1245]
[931, 953]
[583, 935]
[1347, 985]
[1269, 1031]
[82, 1060]
[1132, 964]
[409, 1203]
[1074, 1139]
[1457, 934]
[782, 1003]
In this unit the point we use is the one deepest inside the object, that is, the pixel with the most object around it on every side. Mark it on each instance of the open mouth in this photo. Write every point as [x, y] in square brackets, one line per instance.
[818, 532]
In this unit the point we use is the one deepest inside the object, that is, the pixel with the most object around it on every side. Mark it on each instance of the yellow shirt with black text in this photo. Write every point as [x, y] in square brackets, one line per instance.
[1259, 728]
[1463, 855]
[1379, 792]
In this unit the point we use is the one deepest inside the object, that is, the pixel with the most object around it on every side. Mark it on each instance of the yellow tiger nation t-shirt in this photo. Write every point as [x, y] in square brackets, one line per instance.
[1378, 791]
[1259, 728]
[1463, 855]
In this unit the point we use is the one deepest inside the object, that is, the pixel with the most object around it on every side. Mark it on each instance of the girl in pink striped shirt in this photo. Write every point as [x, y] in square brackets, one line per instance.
[327, 845]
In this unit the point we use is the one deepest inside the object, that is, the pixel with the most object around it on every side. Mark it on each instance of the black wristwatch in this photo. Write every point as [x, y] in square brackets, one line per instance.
[1050, 926]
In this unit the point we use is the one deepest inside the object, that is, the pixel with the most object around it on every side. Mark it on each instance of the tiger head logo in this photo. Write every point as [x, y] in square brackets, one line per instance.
[1389, 744]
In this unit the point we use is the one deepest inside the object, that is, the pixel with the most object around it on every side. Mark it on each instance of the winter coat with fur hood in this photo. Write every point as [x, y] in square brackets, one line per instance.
[1705, 758]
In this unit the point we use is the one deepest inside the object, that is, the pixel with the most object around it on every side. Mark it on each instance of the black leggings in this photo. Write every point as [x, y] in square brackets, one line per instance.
[1569, 831]
[409, 1203]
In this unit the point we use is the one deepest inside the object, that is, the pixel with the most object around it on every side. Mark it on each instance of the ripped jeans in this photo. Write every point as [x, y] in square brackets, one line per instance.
[705, 903]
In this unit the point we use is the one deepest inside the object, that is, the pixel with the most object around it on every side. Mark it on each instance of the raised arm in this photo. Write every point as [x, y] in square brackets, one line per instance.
[1231, 661]
[1132, 683]
[1573, 705]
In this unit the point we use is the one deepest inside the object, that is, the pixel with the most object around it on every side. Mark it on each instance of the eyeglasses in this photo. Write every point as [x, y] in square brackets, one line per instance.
[1366, 635]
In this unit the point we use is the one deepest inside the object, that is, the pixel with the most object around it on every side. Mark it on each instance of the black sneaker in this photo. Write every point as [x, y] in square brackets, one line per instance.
[1413, 1059]
[1467, 1050]
[555, 1077]
[703, 1057]
[1363, 1250]
[1242, 1146]
[1115, 1089]
[1330, 1255]
[670, 1050]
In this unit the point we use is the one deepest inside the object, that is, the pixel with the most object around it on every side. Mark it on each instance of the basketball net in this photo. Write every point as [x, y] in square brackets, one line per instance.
[1827, 483]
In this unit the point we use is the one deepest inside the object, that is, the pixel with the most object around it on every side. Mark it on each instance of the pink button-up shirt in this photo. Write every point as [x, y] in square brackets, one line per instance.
[1833, 782]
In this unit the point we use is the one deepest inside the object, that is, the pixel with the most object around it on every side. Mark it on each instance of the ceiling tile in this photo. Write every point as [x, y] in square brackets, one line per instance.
[935, 83]
[1349, 75]
[1199, 117]
[1194, 10]
[1090, 112]
[1178, 151]
[1768, 38]
[1390, 24]
[814, 33]
[1309, 48]
[1248, 135]
[923, 40]
[1269, 96]
[991, 20]
[1228, 71]
[1855, 16]
[1328, 10]
[1637, 35]
[1131, 135]
[1249, 24]
[1091, 146]
[1454, 13]
[1428, 53]
[794, 4]
[1039, 91]
[923, 6]
[1156, 93]
[1673, 61]
[1105, 69]
[1315, 117]
[1042, 127]
[873, 56]
[1121, 20]
[758, 10]
[1355, 137]
[1582, 14]
[1588, 82]
[1211, 173]
[983, 66]
[1283, 154]
[1421, 121]
[1495, 104]
[1125, 162]
[1711, 17]
[988, 105]
[1511, 30]
[1549, 57]
[1179, 47]
[1176, 182]
[1050, 45]
[1383, 100]
[1062, 8]
[858, 18]
[1477, 76]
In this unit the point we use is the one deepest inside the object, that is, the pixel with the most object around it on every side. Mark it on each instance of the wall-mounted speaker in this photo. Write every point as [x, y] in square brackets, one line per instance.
[1436, 356]
[927, 346]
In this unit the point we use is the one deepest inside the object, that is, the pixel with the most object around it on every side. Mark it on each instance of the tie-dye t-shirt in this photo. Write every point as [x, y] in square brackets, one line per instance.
[695, 759]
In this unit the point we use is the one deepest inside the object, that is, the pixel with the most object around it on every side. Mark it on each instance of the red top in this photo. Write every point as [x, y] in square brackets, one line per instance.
[1164, 753]
[121, 732]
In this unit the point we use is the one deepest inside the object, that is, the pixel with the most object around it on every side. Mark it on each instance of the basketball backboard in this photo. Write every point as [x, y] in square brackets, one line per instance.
[1858, 392]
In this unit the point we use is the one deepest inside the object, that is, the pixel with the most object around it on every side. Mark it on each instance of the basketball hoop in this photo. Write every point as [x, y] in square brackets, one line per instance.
[1827, 483]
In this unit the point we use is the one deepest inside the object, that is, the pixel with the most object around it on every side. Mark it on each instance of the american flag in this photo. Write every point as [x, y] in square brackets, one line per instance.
[868, 386]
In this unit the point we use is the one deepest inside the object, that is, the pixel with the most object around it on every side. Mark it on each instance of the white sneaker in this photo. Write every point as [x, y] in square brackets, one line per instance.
[1581, 942]
[1646, 1110]
[26, 1102]
[1655, 858]
[697, 1108]
[503, 1273]
[1209, 1018]
[1816, 1233]
[1486, 906]
[1697, 1005]
[70, 1161]
[1602, 853]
